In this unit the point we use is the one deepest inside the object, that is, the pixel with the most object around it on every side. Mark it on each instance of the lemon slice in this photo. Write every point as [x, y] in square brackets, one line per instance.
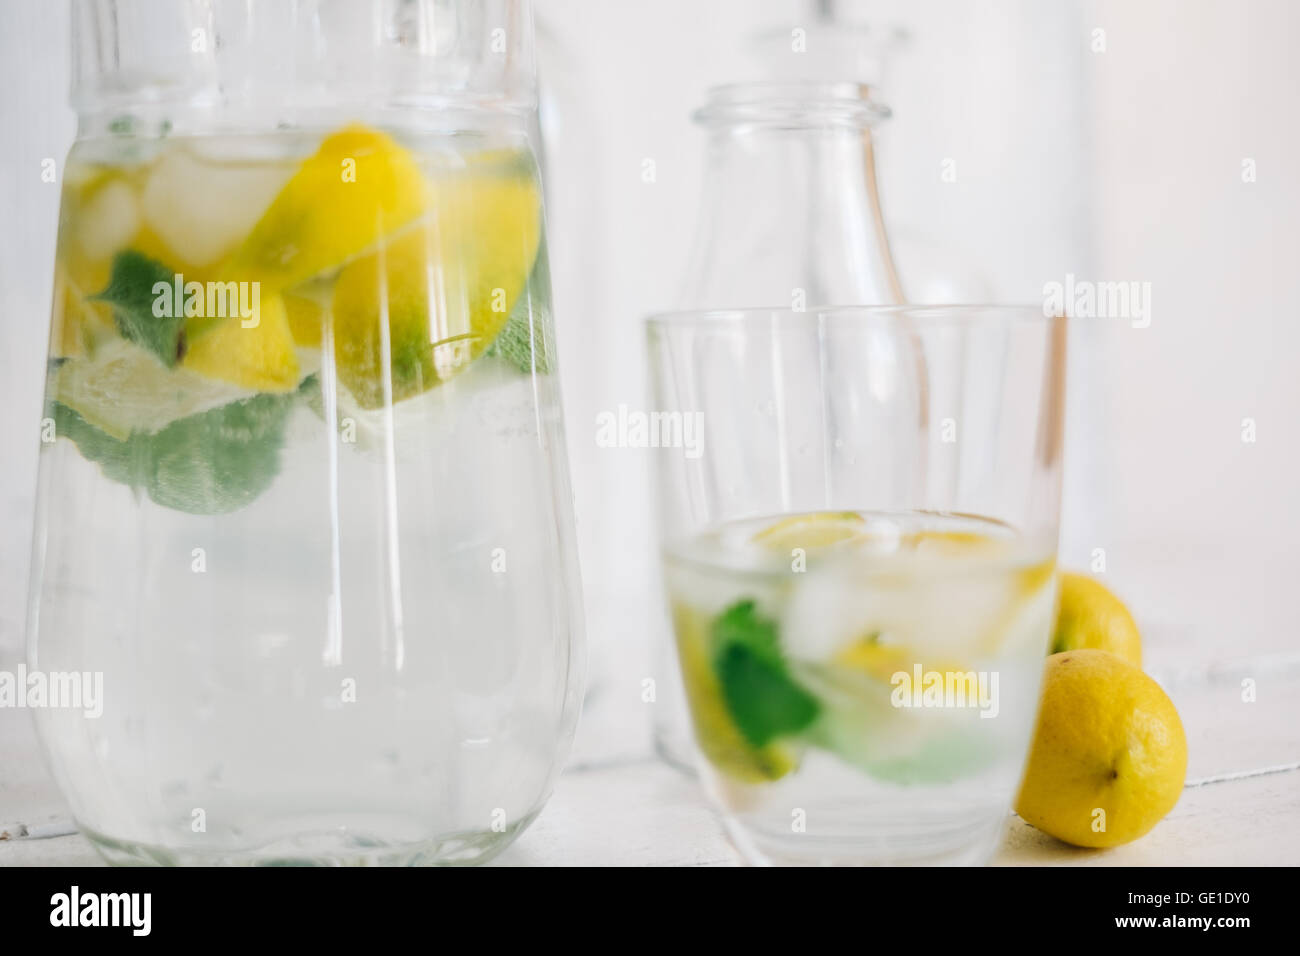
[1026, 619]
[876, 660]
[260, 357]
[818, 530]
[881, 661]
[306, 320]
[953, 543]
[718, 737]
[124, 389]
[358, 187]
[426, 303]
[78, 325]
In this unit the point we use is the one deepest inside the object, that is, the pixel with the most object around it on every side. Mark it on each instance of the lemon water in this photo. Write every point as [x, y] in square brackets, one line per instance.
[862, 685]
[304, 499]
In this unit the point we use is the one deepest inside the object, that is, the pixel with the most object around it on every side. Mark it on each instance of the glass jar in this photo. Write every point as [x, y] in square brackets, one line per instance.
[304, 511]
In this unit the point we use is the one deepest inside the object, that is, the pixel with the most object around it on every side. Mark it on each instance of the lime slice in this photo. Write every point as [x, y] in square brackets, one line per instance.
[817, 530]
[426, 303]
[124, 389]
[716, 733]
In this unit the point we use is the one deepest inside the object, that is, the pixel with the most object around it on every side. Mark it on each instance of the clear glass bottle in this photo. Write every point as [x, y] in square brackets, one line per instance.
[790, 219]
[304, 510]
[790, 213]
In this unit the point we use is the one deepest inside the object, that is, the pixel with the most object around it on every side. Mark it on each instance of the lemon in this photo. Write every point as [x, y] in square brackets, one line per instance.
[260, 357]
[1091, 616]
[78, 325]
[306, 320]
[1109, 755]
[716, 733]
[358, 187]
[817, 530]
[424, 304]
[123, 389]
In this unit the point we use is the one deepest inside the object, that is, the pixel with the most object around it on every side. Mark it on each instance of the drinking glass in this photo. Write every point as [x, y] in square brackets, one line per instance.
[861, 623]
[304, 512]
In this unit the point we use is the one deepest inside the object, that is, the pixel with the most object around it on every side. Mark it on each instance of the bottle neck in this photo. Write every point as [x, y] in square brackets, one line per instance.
[790, 217]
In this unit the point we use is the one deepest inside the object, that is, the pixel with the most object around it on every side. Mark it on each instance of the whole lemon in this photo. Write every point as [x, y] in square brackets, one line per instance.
[1091, 616]
[1109, 755]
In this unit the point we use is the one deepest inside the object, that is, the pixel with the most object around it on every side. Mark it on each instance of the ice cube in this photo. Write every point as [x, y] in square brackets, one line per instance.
[201, 209]
[834, 607]
[108, 221]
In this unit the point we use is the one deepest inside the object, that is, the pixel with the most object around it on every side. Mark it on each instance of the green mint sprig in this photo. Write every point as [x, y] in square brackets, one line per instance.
[763, 699]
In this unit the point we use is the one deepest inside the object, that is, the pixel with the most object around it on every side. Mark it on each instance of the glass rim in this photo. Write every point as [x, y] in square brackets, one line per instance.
[798, 102]
[926, 315]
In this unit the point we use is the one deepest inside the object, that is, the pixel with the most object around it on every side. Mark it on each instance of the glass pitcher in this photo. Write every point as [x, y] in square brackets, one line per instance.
[304, 525]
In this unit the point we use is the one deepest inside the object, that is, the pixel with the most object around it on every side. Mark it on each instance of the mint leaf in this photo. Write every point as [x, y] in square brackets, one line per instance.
[130, 293]
[112, 456]
[764, 701]
[526, 340]
[220, 460]
[210, 463]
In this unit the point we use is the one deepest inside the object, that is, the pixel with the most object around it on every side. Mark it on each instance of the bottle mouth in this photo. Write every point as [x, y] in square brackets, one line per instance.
[798, 104]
